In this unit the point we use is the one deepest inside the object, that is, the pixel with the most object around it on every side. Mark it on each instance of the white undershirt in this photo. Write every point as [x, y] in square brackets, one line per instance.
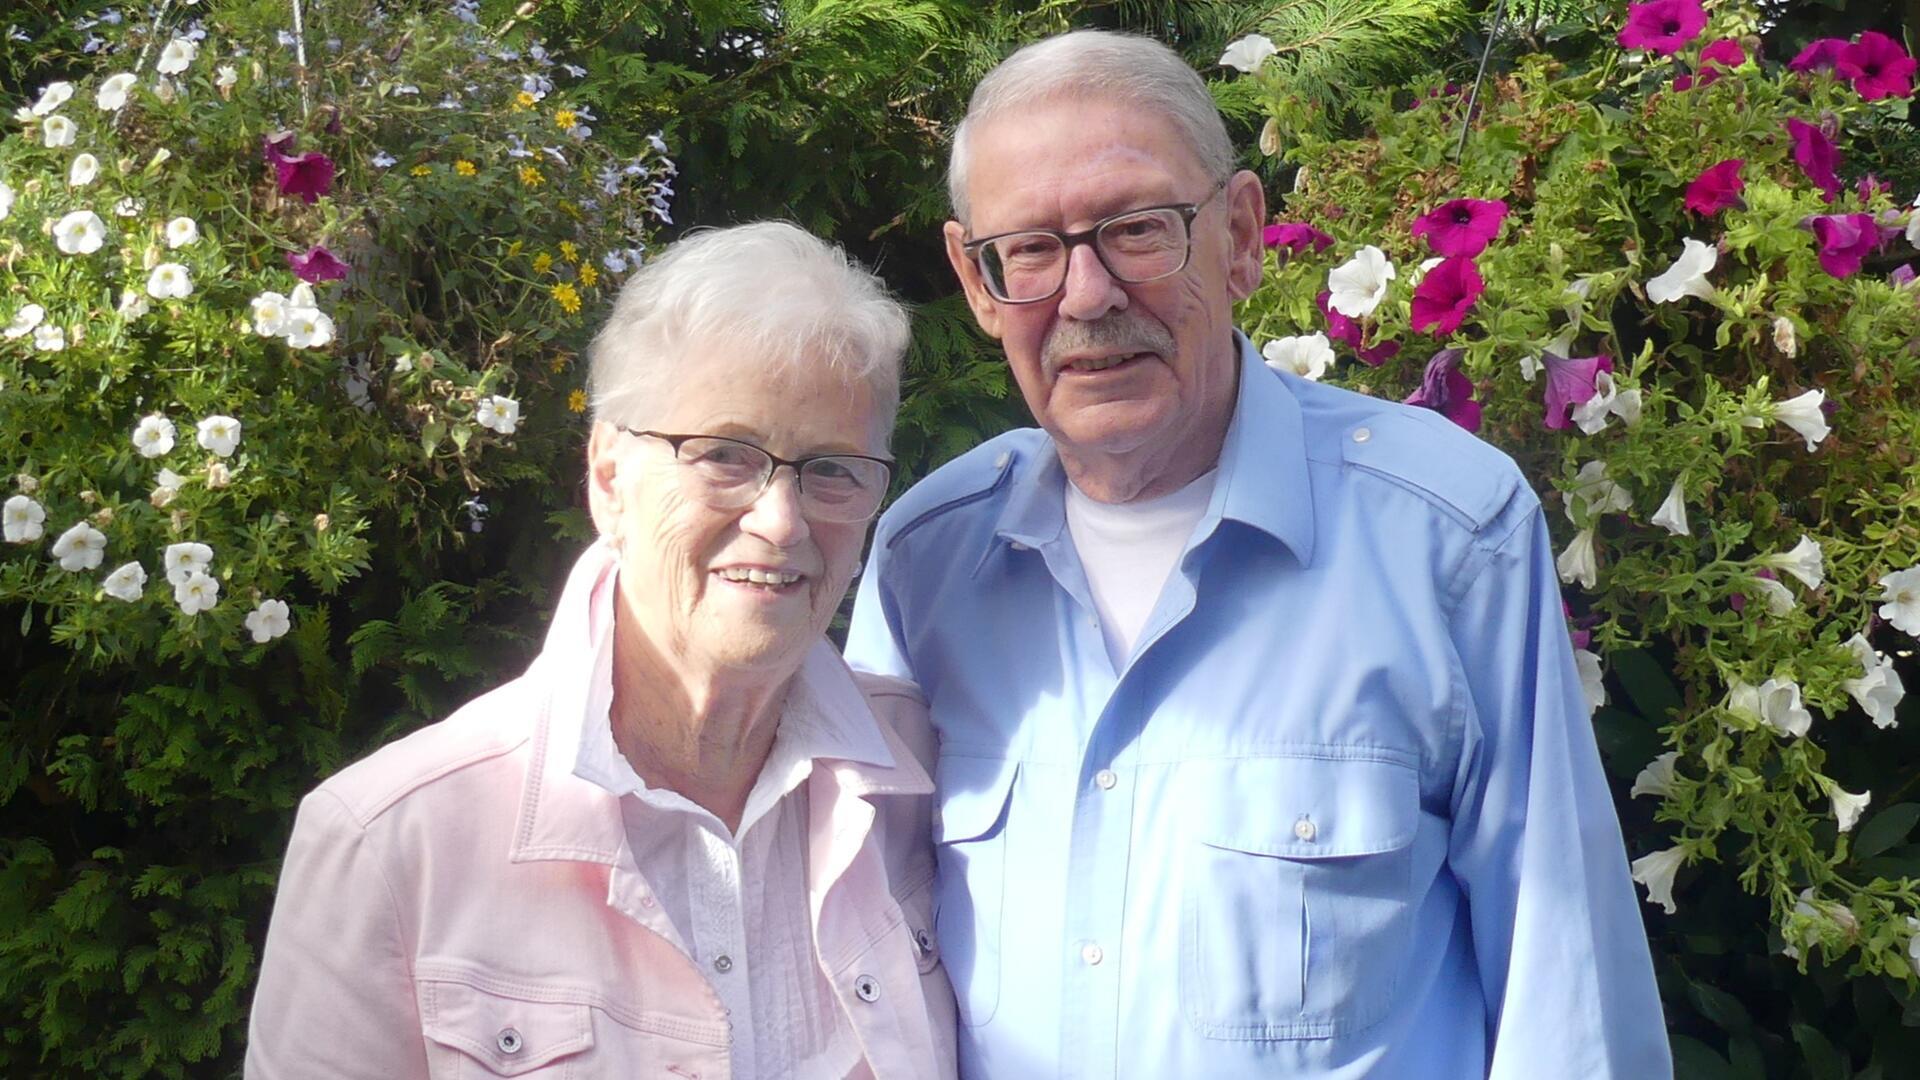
[1128, 549]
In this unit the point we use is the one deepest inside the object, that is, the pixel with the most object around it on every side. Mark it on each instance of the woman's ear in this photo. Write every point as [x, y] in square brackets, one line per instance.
[603, 480]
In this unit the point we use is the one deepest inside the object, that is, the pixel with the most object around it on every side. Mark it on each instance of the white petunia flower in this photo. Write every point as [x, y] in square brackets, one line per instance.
[112, 95]
[169, 281]
[80, 547]
[1359, 284]
[133, 304]
[302, 296]
[1593, 494]
[129, 207]
[153, 436]
[49, 338]
[84, 168]
[182, 231]
[1805, 414]
[268, 621]
[21, 520]
[1656, 778]
[196, 593]
[1687, 276]
[1913, 223]
[1805, 562]
[182, 561]
[1848, 807]
[56, 132]
[1248, 53]
[1879, 689]
[169, 478]
[176, 56]
[502, 414]
[1779, 598]
[269, 314]
[1578, 562]
[1672, 515]
[1913, 943]
[1656, 872]
[403, 364]
[220, 434]
[1784, 337]
[80, 232]
[55, 95]
[1592, 678]
[1901, 599]
[1305, 355]
[24, 320]
[6, 201]
[126, 582]
[307, 328]
[1780, 708]
[384, 160]
[225, 76]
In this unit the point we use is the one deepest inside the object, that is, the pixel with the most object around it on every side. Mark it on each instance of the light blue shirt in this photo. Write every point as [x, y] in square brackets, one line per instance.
[1339, 815]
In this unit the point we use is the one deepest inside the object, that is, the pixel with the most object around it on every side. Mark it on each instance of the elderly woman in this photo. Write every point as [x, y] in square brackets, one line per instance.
[688, 842]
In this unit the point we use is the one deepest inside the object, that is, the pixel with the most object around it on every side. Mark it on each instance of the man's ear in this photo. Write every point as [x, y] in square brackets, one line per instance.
[1246, 215]
[603, 479]
[986, 310]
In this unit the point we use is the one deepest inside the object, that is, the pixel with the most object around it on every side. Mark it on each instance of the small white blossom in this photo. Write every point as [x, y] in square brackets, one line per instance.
[1848, 807]
[133, 304]
[84, 168]
[80, 232]
[55, 95]
[126, 582]
[1779, 598]
[56, 132]
[176, 56]
[6, 201]
[219, 434]
[1780, 708]
[128, 207]
[1805, 562]
[1592, 678]
[22, 520]
[1913, 942]
[80, 547]
[1656, 872]
[1687, 276]
[112, 95]
[1879, 689]
[1248, 53]
[24, 320]
[1913, 223]
[1591, 415]
[302, 296]
[1305, 355]
[268, 621]
[269, 314]
[502, 414]
[403, 364]
[1656, 778]
[169, 478]
[1806, 415]
[307, 328]
[1579, 562]
[225, 76]
[153, 436]
[1359, 284]
[1593, 494]
[182, 561]
[1900, 599]
[49, 338]
[169, 281]
[196, 593]
[1672, 515]
[1784, 337]
[384, 160]
[182, 231]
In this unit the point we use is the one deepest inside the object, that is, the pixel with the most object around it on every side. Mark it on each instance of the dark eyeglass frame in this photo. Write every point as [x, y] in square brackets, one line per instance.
[1090, 235]
[774, 463]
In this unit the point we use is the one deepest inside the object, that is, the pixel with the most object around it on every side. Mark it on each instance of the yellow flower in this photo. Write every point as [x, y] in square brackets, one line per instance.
[569, 209]
[588, 275]
[558, 364]
[464, 167]
[422, 170]
[514, 248]
[566, 297]
[530, 176]
[565, 119]
[524, 100]
[577, 401]
[569, 252]
[542, 263]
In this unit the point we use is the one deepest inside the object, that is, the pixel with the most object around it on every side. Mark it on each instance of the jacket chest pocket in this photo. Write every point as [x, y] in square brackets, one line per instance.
[472, 1032]
[970, 847]
[1297, 903]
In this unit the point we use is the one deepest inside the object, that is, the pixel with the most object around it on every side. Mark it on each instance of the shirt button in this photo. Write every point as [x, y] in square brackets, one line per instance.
[723, 963]
[1362, 434]
[1017, 546]
[1305, 830]
[922, 944]
[1105, 779]
[509, 1041]
[1092, 953]
[866, 988]
[1001, 461]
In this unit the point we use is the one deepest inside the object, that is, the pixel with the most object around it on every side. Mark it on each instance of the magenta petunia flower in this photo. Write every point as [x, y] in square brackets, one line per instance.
[1716, 188]
[1870, 185]
[1445, 295]
[1570, 382]
[1821, 55]
[1817, 155]
[1664, 26]
[1462, 227]
[1902, 276]
[1378, 354]
[1845, 241]
[1296, 237]
[308, 175]
[1445, 389]
[1878, 67]
[1339, 327]
[317, 265]
[1726, 52]
[278, 144]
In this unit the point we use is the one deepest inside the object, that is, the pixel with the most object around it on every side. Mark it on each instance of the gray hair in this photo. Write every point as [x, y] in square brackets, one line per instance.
[770, 289]
[1096, 64]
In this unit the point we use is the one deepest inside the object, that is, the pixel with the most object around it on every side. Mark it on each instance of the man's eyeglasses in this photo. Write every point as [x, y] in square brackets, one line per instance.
[1030, 265]
[728, 474]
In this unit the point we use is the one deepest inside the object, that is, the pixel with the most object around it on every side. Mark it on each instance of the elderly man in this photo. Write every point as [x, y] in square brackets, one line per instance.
[1262, 750]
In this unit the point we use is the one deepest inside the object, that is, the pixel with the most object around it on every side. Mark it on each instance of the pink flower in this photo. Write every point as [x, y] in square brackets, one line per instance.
[1845, 240]
[1664, 26]
[1296, 237]
[1448, 90]
[1817, 155]
[317, 265]
[1570, 382]
[278, 144]
[1462, 227]
[1447, 391]
[1716, 188]
[1582, 637]
[1869, 186]
[1902, 276]
[308, 175]
[1726, 52]
[1379, 354]
[1878, 66]
[1348, 332]
[1822, 55]
[1445, 295]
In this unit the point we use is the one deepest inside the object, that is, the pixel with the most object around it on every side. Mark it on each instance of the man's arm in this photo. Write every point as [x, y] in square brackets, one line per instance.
[1536, 846]
[875, 640]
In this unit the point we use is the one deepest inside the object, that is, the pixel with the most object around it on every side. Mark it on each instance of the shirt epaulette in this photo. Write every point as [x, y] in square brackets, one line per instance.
[978, 474]
[1431, 456]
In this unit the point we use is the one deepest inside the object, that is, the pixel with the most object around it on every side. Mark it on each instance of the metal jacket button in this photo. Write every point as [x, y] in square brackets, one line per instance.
[509, 1041]
[1305, 830]
[866, 988]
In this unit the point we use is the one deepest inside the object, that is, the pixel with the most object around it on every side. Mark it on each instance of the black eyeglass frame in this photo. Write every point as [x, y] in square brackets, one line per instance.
[774, 463]
[1089, 235]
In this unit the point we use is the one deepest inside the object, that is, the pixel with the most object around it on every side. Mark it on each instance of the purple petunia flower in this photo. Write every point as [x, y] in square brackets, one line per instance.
[1870, 185]
[1716, 188]
[1821, 55]
[1296, 237]
[1664, 26]
[1878, 67]
[1570, 382]
[1902, 276]
[1379, 354]
[278, 144]
[1445, 389]
[308, 175]
[1845, 241]
[1462, 227]
[1445, 295]
[1726, 52]
[1817, 155]
[317, 265]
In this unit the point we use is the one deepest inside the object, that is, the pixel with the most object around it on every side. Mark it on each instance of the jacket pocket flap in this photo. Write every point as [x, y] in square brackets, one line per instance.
[1307, 807]
[509, 1035]
[971, 796]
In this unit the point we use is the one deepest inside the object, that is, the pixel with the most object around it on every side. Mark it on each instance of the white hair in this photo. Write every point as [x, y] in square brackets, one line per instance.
[770, 290]
[1101, 65]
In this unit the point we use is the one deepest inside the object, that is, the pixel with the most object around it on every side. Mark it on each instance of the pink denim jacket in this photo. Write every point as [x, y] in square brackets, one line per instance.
[460, 904]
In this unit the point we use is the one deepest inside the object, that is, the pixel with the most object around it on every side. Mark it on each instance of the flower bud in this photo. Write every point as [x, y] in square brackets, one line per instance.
[26, 483]
[218, 476]
[104, 516]
[89, 497]
[321, 522]
[161, 496]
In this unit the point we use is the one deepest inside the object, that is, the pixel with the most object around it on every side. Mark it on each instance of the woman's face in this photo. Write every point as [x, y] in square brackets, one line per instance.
[684, 565]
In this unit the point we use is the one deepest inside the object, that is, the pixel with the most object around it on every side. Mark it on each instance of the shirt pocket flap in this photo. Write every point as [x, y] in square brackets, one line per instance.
[972, 797]
[1308, 807]
[509, 1035]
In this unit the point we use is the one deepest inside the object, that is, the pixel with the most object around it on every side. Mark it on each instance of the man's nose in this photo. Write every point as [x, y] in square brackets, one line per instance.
[1090, 291]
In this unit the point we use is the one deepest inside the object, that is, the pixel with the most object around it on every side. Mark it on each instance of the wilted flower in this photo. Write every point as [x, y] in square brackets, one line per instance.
[55, 95]
[84, 168]
[1716, 188]
[1900, 599]
[1297, 238]
[182, 561]
[20, 521]
[196, 593]
[1784, 338]
[1248, 53]
[1688, 274]
[1805, 414]
[1445, 295]
[49, 338]
[112, 95]
[80, 232]
[24, 320]
[1879, 688]
[1805, 562]
[1816, 155]
[169, 281]
[1461, 227]
[1446, 389]
[1877, 66]
[1672, 515]
[1579, 561]
[176, 56]
[1305, 355]
[219, 434]
[126, 582]
[1663, 26]
[218, 476]
[1571, 381]
[153, 436]
[80, 547]
[501, 414]
[268, 621]
[318, 264]
[1357, 286]
[56, 132]
[182, 231]
[1656, 872]
[1848, 807]
[1657, 778]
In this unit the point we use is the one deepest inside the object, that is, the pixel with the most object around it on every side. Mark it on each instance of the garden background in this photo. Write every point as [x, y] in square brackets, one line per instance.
[290, 411]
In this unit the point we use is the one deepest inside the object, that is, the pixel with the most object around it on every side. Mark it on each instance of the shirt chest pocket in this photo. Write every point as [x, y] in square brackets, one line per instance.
[1297, 904]
[472, 1032]
[971, 848]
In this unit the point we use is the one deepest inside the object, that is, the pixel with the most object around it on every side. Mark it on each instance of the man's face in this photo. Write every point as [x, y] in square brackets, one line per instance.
[1154, 419]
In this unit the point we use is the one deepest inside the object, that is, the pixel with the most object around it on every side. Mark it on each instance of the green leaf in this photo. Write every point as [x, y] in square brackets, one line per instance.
[1885, 829]
[1696, 1060]
[1720, 1007]
[1822, 1059]
[1647, 684]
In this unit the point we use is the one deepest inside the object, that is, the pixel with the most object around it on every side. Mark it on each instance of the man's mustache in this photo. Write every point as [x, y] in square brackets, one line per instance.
[1116, 332]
